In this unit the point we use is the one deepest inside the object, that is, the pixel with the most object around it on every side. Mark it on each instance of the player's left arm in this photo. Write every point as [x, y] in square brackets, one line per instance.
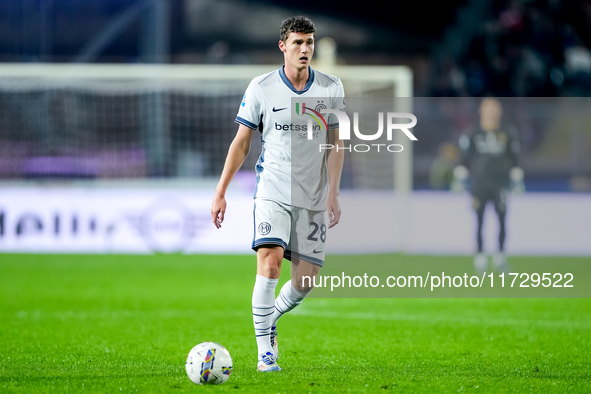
[516, 174]
[335, 158]
[335, 168]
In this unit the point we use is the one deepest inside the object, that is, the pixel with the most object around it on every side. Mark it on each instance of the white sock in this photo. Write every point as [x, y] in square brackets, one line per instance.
[288, 299]
[263, 304]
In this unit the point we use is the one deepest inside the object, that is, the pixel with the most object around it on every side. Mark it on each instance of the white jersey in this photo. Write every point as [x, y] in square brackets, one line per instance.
[291, 169]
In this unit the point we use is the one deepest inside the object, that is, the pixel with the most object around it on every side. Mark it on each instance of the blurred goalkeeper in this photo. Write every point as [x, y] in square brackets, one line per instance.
[489, 158]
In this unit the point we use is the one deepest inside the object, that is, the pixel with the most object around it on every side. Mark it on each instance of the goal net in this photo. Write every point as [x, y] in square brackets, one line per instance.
[106, 122]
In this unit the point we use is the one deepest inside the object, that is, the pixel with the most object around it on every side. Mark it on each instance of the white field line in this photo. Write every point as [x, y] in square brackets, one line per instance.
[438, 319]
[427, 318]
[121, 314]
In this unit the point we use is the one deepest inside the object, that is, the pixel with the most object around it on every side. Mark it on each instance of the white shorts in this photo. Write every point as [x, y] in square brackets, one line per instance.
[301, 232]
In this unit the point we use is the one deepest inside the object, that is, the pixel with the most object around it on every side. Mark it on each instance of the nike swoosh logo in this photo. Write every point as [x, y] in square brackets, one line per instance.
[277, 110]
[317, 251]
[259, 322]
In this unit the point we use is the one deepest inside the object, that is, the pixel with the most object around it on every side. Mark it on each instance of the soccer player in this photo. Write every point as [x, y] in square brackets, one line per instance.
[297, 185]
[490, 156]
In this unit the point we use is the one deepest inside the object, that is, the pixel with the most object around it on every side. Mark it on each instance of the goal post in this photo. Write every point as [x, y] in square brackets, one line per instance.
[125, 124]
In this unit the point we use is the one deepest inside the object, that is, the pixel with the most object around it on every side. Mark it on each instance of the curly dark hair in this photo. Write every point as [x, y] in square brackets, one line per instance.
[296, 24]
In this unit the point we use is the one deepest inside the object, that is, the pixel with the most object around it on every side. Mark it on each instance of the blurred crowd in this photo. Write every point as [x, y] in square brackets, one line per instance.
[524, 48]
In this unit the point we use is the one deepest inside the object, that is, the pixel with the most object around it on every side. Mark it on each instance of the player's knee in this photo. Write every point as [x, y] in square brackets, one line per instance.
[304, 280]
[304, 285]
[269, 269]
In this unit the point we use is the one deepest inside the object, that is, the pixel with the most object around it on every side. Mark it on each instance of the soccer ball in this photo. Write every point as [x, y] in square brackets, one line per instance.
[209, 363]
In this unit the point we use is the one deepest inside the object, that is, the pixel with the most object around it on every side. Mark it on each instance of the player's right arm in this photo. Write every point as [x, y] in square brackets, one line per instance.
[236, 155]
[461, 172]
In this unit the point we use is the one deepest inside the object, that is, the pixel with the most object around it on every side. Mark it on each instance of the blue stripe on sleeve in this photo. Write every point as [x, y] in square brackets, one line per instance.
[246, 123]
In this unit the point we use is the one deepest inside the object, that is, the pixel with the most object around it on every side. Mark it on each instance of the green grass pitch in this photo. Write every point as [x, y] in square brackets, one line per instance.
[78, 323]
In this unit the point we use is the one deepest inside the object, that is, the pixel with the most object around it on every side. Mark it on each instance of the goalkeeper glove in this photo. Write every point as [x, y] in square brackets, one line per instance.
[516, 178]
[458, 184]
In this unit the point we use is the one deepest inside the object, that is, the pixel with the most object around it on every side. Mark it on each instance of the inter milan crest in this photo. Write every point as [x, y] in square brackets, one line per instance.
[264, 228]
